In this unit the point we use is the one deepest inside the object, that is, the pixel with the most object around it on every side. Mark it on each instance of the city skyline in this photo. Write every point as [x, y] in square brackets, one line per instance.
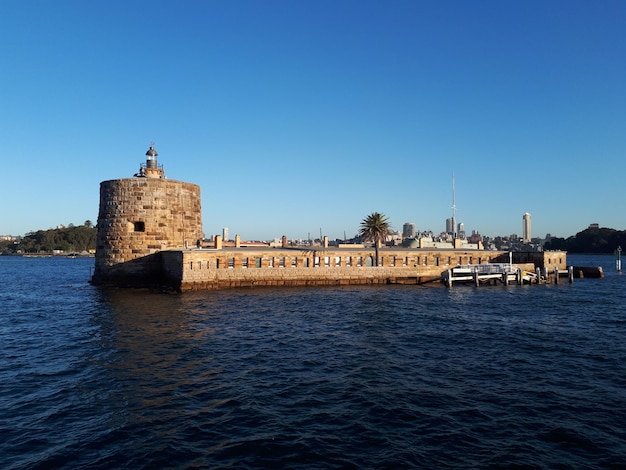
[298, 117]
[409, 230]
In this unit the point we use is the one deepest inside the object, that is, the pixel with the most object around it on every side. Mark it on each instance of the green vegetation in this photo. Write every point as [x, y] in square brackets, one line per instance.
[591, 240]
[68, 239]
[375, 228]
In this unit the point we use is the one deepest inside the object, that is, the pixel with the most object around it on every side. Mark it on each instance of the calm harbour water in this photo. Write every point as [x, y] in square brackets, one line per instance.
[351, 377]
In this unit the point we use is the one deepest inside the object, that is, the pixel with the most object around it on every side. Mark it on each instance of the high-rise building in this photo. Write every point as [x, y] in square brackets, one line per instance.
[225, 234]
[526, 228]
[450, 225]
[408, 230]
[460, 229]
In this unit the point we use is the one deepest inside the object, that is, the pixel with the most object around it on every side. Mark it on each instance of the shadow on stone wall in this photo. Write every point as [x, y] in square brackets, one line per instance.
[141, 272]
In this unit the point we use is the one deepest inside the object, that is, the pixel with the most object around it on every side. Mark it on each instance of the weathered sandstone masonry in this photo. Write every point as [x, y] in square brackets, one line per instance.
[140, 217]
[219, 269]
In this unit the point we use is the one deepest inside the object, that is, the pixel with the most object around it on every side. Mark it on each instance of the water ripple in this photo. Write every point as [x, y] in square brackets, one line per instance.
[380, 377]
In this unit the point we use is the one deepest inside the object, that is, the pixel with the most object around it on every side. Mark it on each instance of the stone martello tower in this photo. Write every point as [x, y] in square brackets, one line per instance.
[138, 218]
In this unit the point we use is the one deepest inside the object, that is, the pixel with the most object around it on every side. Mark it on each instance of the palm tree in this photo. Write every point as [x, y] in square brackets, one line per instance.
[375, 227]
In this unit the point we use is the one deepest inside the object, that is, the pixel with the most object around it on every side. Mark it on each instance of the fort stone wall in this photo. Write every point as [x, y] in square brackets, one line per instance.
[140, 217]
[219, 269]
[546, 260]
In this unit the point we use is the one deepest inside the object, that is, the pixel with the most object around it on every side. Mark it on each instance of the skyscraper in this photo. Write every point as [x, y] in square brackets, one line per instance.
[526, 228]
[460, 229]
[408, 230]
[450, 225]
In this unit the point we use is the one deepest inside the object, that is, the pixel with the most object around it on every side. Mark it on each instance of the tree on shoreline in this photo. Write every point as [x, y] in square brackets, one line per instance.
[68, 239]
[590, 240]
[375, 227]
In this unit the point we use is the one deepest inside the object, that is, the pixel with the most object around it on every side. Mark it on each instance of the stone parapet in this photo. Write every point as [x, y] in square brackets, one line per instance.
[218, 269]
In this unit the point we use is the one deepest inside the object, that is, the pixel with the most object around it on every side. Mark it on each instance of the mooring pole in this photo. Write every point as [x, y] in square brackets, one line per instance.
[618, 263]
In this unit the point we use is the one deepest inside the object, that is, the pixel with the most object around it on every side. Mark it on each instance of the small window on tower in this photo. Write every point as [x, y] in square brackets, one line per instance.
[139, 226]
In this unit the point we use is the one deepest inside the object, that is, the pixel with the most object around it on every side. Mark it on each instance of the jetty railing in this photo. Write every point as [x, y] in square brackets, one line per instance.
[490, 268]
[488, 273]
[502, 272]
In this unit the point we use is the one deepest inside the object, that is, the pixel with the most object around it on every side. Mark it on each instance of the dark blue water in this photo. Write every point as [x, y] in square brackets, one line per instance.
[363, 377]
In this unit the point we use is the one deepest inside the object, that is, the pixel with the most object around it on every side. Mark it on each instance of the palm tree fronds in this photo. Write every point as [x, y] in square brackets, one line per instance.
[375, 227]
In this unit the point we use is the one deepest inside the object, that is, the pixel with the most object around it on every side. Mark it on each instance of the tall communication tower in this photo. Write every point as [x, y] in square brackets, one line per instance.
[454, 234]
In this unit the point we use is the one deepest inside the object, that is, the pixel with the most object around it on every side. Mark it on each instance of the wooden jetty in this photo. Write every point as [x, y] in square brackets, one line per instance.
[503, 273]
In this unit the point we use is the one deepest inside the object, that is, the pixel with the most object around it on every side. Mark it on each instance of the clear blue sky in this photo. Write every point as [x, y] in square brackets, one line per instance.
[296, 116]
